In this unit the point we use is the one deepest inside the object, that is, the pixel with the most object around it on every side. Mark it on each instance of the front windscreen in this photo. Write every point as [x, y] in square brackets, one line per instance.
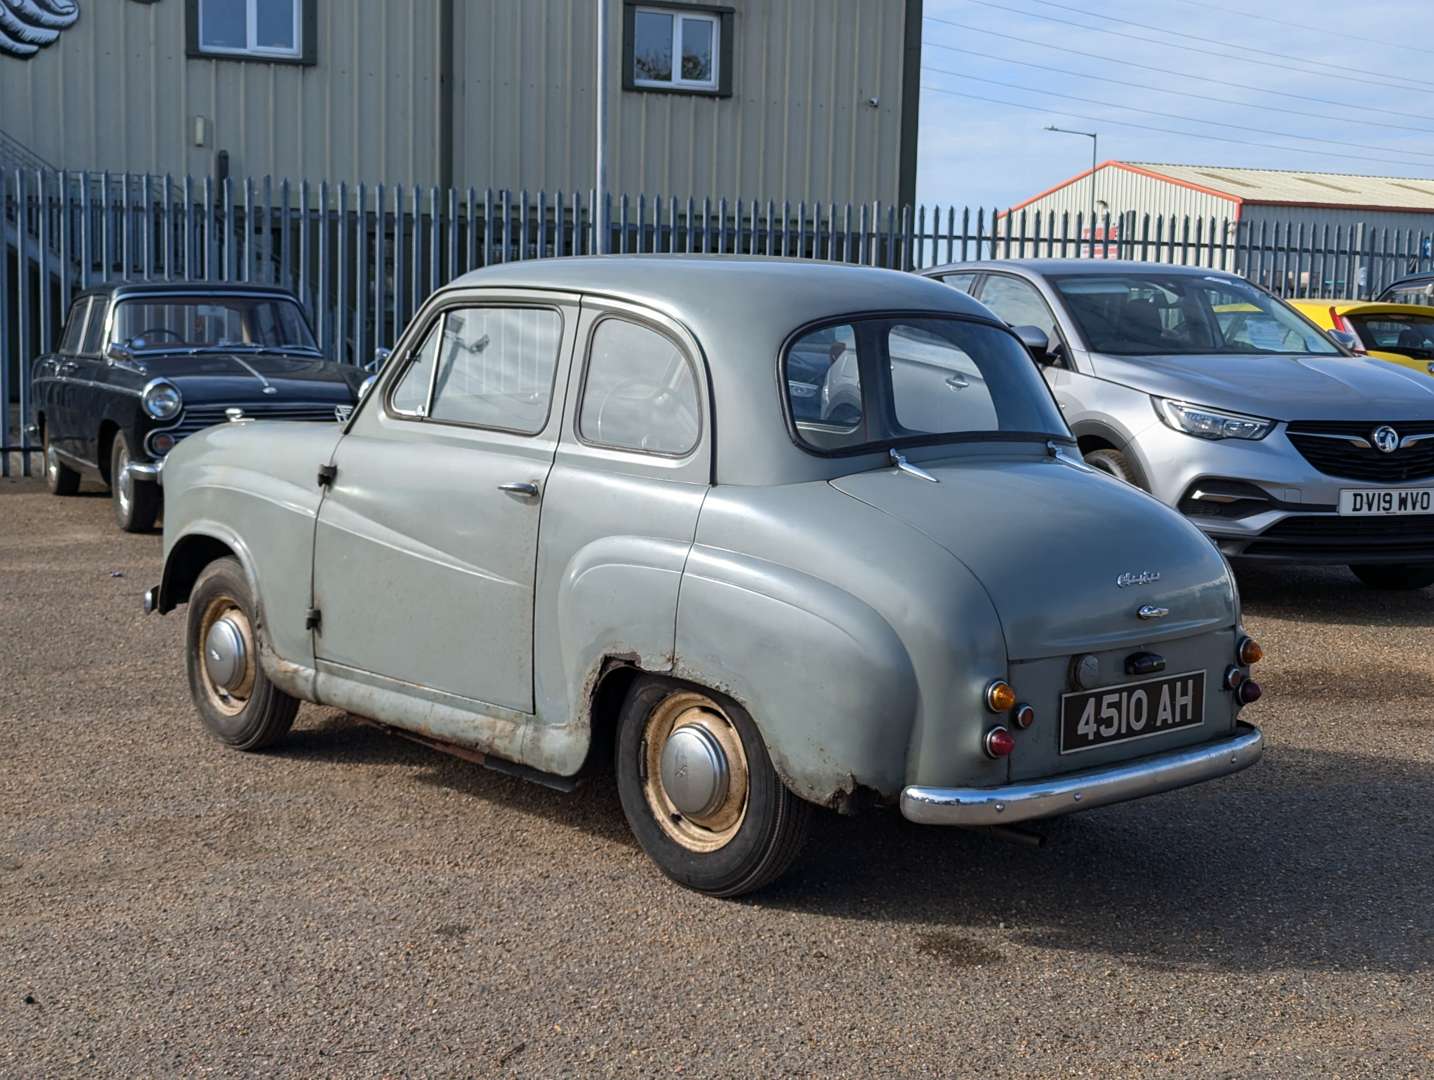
[870, 382]
[1407, 334]
[217, 322]
[1158, 314]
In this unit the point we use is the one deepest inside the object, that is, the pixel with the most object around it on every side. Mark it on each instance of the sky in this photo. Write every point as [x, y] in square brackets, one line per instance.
[1338, 68]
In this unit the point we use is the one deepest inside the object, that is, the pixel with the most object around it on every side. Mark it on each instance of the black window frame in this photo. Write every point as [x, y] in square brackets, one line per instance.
[308, 54]
[726, 18]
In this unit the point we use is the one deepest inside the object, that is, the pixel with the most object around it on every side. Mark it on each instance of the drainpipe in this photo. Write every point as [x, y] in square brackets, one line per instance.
[599, 209]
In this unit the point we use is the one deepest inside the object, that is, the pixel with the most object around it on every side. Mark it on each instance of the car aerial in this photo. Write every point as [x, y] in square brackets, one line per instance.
[141, 366]
[1217, 398]
[1416, 289]
[592, 511]
[1400, 333]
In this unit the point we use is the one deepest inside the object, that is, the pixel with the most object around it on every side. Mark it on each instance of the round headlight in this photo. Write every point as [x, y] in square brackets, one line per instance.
[162, 400]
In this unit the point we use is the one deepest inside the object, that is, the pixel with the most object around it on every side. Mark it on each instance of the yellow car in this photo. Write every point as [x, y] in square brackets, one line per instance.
[1400, 333]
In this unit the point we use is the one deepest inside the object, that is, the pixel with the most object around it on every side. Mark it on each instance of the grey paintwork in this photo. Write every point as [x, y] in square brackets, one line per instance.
[1107, 401]
[856, 611]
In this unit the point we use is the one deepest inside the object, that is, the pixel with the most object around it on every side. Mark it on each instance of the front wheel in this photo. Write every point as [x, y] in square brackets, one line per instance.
[237, 703]
[136, 501]
[1115, 463]
[1398, 576]
[60, 479]
[700, 793]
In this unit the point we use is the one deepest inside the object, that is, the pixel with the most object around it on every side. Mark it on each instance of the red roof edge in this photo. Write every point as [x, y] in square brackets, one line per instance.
[1236, 199]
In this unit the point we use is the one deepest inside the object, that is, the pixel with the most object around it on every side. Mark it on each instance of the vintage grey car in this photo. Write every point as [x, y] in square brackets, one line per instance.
[603, 510]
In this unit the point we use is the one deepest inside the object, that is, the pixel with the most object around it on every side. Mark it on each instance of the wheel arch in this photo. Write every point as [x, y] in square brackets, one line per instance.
[190, 554]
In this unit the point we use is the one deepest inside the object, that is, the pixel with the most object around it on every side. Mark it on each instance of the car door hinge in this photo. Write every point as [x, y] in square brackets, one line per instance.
[327, 474]
[313, 620]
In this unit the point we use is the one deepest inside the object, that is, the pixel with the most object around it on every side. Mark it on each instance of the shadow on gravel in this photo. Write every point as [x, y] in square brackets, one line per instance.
[1310, 861]
[1330, 596]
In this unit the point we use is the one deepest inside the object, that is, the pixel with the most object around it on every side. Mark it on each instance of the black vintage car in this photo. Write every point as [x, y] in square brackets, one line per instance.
[139, 367]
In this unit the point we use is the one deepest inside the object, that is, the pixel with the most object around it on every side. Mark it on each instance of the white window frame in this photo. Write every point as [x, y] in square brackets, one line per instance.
[251, 30]
[678, 18]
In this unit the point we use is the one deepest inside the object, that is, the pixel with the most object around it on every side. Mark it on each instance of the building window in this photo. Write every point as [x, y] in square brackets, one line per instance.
[274, 31]
[677, 48]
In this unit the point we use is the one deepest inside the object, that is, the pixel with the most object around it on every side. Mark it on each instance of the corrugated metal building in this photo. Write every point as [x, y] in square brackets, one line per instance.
[1127, 191]
[800, 99]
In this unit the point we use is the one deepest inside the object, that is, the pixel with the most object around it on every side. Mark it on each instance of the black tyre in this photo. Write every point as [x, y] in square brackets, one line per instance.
[136, 502]
[59, 477]
[700, 792]
[236, 701]
[1398, 576]
[1115, 463]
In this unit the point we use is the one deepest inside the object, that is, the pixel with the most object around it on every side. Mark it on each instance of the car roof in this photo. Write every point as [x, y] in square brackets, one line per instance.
[1412, 279]
[741, 310]
[182, 288]
[1075, 267]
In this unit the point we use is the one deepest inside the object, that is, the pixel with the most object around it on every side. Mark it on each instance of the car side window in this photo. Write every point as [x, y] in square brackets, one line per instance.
[823, 373]
[960, 281]
[496, 367]
[1019, 304]
[640, 391]
[75, 327]
[410, 396]
[95, 327]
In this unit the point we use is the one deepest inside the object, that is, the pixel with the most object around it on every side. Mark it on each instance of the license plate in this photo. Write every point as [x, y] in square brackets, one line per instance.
[1385, 502]
[1138, 710]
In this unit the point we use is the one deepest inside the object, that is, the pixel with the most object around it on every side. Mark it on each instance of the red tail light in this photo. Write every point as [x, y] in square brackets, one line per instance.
[999, 742]
[1249, 692]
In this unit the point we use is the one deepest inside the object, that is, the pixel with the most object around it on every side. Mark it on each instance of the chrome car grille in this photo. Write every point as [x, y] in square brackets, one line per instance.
[197, 417]
[1337, 456]
[1340, 539]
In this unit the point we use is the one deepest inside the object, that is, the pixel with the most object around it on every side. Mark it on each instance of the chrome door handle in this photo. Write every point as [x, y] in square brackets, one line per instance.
[956, 382]
[527, 488]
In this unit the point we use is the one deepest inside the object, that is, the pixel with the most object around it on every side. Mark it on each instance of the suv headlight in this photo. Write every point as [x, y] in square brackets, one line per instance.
[1211, 423]
[162, 400]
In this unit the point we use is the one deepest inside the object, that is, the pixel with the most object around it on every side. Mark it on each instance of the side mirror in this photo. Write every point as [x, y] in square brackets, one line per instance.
[1348, 340]
[1037, 343]
[366, 386]
[380, 357]
[117, 353]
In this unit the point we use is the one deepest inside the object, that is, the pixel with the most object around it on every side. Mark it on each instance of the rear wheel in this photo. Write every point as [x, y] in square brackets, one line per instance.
[59, 477]
[237, 703]
[1113, 462]
[136, 501]
[700, 792]
[1398, 576]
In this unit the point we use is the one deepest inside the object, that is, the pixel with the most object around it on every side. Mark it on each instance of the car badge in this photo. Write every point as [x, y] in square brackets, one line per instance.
[1386, 439]
[343, 412]
[270, 390]
[1138, 577]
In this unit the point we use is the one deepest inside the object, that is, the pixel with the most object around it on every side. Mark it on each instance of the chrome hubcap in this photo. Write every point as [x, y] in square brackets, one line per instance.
[694, 771]
[694, 774]
[52, 462]
[124, 482]
[226, 657]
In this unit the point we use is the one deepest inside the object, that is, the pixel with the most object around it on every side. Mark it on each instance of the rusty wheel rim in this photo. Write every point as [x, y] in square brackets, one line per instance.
[225, 620]
[689, 733]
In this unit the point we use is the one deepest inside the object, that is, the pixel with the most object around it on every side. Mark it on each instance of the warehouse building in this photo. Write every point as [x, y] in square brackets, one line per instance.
[772, 99]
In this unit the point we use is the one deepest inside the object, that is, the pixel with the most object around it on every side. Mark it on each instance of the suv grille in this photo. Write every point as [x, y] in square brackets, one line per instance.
[1339, 457]
[1345, 539]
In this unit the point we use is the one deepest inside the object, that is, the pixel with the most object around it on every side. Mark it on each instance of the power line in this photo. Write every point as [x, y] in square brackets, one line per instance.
[1364, 77]
[1172, 131]
[1180, 116]
[1205, 40]
[1183, 93]
[1171, 71]
[1343, 35]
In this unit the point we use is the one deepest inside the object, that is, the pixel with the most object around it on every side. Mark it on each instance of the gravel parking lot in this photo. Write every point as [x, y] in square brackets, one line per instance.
[352, 904]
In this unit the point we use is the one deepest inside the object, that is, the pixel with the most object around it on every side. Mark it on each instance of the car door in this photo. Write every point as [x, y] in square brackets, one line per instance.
[84, 393]
[59, 370]
[1019, 303]
[426, 542]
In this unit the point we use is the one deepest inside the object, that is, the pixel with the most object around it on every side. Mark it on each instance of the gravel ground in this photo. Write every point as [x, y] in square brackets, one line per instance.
[355, 905]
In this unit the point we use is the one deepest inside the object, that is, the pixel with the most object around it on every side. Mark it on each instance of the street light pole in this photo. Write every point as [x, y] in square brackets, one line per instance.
[599, 209]
[1094, 158]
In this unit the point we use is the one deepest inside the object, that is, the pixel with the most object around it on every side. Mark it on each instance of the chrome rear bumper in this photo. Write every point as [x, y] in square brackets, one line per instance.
[1069, 792]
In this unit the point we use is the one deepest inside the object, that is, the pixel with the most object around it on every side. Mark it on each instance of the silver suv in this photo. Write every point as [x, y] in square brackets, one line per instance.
[1220, 400]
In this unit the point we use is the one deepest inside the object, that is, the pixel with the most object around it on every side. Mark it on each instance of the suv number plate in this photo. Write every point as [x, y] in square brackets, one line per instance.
[1137, 710]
